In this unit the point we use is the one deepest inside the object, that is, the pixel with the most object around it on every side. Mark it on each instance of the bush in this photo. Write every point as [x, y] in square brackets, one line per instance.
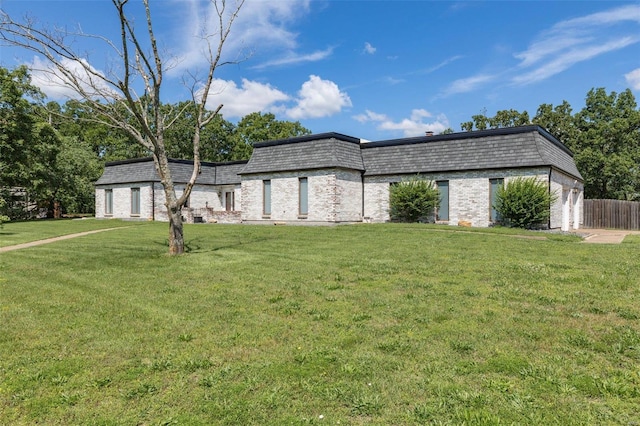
[524, 203]
[3, 218]
[414, 200]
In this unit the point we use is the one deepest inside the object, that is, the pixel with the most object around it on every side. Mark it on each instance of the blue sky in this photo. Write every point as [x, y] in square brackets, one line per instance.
[377, 69]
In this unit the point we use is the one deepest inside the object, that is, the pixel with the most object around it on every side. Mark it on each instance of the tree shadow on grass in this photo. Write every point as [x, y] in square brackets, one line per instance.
[196, 246]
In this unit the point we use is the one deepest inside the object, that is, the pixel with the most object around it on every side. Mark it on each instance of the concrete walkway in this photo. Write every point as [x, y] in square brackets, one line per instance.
[54, 239]
[605, 236]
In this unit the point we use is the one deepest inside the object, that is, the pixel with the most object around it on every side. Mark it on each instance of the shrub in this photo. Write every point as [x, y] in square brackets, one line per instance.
[413, 200]
[3, 218]
[524, 203]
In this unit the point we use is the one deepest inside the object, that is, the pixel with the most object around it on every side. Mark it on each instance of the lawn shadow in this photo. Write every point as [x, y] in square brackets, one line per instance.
[195, 245]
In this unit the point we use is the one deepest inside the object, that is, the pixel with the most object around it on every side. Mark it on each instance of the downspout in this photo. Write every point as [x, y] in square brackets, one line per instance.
[153, 201]
[550, 206]
[362, 186]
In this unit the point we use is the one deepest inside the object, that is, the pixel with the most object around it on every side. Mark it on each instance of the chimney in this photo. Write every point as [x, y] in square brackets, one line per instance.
[428, 133]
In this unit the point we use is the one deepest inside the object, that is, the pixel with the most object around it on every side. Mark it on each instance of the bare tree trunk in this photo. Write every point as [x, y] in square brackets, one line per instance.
[176, 234]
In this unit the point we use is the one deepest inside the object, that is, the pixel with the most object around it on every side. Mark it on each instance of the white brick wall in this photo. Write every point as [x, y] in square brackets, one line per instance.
[348, 207]
[122, 201]
[468, 193]
[567, 212]
[334, 195]
[152, 200]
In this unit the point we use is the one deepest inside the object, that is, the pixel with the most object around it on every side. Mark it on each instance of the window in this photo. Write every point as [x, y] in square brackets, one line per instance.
[229, 201]
[135, 201]
[108, 201]
[266, 197]
[443, 209]
[303, 191]
[494, 185]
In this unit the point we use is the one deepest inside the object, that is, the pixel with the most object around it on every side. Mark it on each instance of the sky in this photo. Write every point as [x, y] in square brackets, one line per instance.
[375, 70]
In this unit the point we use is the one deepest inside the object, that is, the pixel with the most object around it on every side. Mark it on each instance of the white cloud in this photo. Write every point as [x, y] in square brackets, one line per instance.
[239, 101]
[633, 79]
[318, 98]
[59, 87]
[569, 58]
[608, 17]
[468, 84]
[560, 47]
[412, 126]
[260, 26]
[295, 58]
[575, 40]
[370, 116]
[368, 48]
[444, 63]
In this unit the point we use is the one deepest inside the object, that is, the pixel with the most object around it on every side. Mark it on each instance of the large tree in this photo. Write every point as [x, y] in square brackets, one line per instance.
[607, 145]
[77, 120]
[128, 97]
[257, 127]
[36, 159]
[16, 122]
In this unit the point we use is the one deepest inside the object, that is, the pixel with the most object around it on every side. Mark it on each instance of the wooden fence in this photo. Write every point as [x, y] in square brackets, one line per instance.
[614, 214]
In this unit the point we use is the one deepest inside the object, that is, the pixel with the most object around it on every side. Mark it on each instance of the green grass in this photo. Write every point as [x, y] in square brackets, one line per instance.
[368, 324]
[22, 232]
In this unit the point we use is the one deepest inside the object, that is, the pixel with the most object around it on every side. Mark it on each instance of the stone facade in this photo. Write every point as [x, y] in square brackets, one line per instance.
[206, 202]
[566, 212]
[334, 195]
[333, 178]
[121, 202]
[469, 193]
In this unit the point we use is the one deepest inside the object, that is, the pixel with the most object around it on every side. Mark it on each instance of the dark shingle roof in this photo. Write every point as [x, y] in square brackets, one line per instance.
[321, 151]
[229, 173]
[143, 170]
[527, 146]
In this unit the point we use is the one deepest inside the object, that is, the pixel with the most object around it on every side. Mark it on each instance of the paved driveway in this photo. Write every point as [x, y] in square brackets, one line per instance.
[605, 236]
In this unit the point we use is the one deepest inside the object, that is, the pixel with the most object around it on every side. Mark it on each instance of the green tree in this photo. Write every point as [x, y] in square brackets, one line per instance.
[215, 137]
[16, 122]
[559, 121]
[413, 200]
[39, 163]
[607, 145]
[77, 169]
[524, 203]
[503, 118]
[258, 127]
[79, 120]
[43, 179]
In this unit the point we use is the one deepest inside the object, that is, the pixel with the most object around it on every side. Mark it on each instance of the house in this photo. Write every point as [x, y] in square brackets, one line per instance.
[335, 178]
[131, 189]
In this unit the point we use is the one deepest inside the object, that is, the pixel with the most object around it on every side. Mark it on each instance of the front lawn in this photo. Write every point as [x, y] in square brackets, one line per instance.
[12, 233]
[366, 324]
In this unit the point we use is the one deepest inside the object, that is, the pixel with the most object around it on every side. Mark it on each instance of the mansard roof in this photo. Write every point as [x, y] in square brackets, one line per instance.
[507, 148]
[141, 170]
[516, 147]
[320, 151]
